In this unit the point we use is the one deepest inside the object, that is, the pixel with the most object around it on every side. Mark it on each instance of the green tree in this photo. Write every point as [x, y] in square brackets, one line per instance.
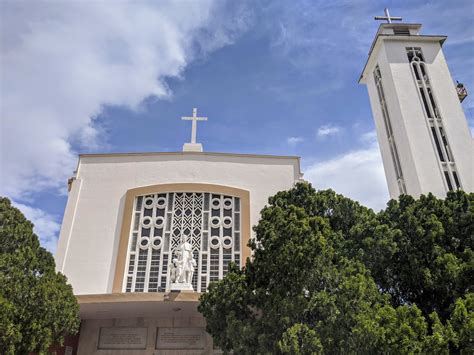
[37, 306]
[309, 287]
[421, 251]
[461, 323]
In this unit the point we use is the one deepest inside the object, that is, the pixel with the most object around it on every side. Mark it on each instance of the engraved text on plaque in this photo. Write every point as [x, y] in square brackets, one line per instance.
[181, 338]
[122, 338]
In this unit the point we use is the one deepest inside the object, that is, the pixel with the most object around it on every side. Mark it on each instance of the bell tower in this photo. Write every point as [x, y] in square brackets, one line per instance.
[424, 138]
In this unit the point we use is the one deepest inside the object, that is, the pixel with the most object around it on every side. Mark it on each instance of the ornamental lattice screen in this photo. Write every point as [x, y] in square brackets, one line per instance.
[211, 224]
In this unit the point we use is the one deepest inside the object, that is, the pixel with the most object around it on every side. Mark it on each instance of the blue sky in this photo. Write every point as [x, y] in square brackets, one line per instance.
[274, 77]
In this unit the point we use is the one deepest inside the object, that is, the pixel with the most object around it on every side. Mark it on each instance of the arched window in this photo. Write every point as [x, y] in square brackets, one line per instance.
[210, 221]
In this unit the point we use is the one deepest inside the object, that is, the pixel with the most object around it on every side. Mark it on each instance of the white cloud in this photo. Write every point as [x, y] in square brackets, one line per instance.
[328, 130]
[369, 138]
[63, 61]
[357, 174]
[46, 226]
[293, 141]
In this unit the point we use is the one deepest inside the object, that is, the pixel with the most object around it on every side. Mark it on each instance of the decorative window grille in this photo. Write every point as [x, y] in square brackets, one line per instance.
[433, 118]
[210, 223]
[389, 131]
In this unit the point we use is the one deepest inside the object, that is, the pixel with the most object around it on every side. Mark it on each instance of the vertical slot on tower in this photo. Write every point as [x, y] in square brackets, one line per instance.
[438, 146]
[445, 144]
[425, 103]
[388, 128]
[456, 180]
[433, 104]
[448, 180]
[423, 72]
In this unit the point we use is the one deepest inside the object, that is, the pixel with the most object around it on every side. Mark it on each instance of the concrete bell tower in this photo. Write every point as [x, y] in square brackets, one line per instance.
[423, 135]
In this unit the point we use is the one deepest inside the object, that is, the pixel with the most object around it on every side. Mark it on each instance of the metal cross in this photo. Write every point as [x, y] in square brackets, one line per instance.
[387, 17]
[194, 125]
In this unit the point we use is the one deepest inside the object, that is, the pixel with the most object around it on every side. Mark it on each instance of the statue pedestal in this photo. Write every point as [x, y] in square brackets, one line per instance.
[192, 147]
[181, 286]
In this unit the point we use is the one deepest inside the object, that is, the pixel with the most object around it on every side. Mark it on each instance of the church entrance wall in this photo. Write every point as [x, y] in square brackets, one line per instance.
[140, 336]
[143, 323]
[96, 242]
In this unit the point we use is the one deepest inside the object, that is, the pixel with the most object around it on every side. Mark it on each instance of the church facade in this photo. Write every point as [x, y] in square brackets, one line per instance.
[125, 219]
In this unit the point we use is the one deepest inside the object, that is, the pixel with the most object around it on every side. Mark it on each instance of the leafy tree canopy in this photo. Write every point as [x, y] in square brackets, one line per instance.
[37, 306]
[421, 251]
[331, 276]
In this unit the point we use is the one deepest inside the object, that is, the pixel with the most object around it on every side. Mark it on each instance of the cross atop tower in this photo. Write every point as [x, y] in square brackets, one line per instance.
[387, 17]
[193, 146]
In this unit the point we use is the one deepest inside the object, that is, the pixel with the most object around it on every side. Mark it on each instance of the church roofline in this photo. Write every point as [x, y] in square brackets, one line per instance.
[236, 155]
[380, 37]
[102, 155]
[198, 154]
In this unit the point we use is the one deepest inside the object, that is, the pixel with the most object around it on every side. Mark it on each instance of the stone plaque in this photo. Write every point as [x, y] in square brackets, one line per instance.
[122, 338]
[181, 338]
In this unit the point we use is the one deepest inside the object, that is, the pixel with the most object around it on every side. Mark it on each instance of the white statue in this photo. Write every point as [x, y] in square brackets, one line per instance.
[175, 270]
[182, 267]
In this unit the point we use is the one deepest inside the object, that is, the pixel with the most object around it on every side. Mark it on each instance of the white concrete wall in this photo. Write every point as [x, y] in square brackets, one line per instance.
[384, 145]
[454, 120]
[417, 153]
[90, 232]
[418, 156]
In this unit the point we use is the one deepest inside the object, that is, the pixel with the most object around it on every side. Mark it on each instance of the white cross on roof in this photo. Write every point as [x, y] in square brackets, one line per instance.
[194, 118]
[387, 17]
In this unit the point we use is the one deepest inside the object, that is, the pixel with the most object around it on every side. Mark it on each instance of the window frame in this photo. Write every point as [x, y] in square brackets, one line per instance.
[119, 283]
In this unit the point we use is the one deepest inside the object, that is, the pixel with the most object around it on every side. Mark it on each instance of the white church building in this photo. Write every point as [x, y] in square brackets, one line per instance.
[134, 223]
[125, 221]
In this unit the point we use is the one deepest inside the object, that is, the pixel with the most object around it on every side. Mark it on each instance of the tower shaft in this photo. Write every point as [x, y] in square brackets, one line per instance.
[424, 138]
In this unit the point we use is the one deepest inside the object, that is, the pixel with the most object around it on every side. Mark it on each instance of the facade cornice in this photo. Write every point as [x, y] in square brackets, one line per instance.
[105, 155]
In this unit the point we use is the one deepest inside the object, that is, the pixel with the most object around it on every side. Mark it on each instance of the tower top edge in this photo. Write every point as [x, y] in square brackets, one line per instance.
[380, 37]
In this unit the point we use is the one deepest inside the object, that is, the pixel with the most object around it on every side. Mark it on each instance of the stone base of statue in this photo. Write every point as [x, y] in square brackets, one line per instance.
[192, 147]
[181, 287]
